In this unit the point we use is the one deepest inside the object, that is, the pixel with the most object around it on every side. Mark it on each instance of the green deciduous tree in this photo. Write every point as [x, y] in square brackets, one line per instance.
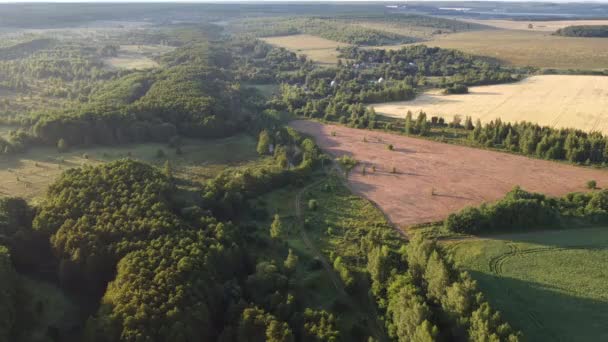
[437, 277]
[291, 262]
[276, 228]
[263, 146]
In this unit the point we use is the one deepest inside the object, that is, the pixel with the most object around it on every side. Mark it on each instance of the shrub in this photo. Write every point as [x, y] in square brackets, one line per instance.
[312, 204]
[591, 184]
[347, 162]
[456, 89]
[390, 147]
[62, 145]
[160, 153]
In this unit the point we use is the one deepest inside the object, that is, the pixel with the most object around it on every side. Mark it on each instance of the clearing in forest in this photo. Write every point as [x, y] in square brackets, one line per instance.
[552, 285]
[29, 174]
[423, 181]
[137, 57]
[552, 100]
[320, 50]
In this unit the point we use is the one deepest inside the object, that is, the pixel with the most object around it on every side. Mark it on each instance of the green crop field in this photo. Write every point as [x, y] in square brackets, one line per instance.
[553, 285]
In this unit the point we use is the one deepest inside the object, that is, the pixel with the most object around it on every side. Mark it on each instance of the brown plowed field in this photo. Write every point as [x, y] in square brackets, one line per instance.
[459, 176]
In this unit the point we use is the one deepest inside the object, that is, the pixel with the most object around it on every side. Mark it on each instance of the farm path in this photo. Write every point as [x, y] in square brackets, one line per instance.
[370, 317]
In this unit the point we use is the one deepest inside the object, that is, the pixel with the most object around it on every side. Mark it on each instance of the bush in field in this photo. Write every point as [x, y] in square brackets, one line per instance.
[347, 162]
[591, 184]
[62, 145]
[456, 89]
[312, 204]
[390, 147]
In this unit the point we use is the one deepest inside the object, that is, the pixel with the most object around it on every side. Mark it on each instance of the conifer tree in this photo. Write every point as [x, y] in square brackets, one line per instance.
[408, 123]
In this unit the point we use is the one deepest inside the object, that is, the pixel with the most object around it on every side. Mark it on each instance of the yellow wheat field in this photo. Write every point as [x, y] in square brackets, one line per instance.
[553, 100]
[537, 25]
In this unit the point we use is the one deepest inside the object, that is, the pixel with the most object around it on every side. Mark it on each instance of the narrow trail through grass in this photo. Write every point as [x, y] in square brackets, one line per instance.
[369, 312]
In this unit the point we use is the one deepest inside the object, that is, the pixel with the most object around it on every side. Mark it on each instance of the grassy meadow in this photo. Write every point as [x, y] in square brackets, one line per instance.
[333, 229]
[553, 285]
[320, 50]
[28, 174]
[137, 57]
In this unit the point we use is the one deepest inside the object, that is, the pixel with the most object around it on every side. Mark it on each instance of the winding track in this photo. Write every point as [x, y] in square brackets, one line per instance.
[370, 319]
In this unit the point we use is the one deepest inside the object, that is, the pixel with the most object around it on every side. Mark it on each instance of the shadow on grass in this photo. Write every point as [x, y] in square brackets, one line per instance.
[585, 237]
[543, 314]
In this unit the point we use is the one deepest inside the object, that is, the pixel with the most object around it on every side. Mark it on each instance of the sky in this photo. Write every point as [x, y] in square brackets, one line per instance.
[258, 1]
[228, 1]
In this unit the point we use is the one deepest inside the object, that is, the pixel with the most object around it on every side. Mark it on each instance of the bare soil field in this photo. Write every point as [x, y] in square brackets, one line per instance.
[320, 50]
[434, 179]
[552, 100]
[545, 26]
[526, 48]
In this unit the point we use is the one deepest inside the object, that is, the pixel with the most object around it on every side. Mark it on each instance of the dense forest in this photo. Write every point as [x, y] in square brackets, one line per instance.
[584, 31]
[328, 28]
[192, 95]
[440, 25]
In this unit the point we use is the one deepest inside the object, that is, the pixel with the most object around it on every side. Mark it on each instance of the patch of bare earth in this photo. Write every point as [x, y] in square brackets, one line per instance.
[434, 179]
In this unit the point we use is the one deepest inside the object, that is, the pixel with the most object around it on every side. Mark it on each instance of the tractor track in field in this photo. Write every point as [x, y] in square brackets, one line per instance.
[496, 263]
[496, 266]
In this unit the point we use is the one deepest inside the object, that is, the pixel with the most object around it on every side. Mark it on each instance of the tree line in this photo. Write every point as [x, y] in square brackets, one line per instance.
[572, 145]
[430, 300]
[520, 210]
[583, 31]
